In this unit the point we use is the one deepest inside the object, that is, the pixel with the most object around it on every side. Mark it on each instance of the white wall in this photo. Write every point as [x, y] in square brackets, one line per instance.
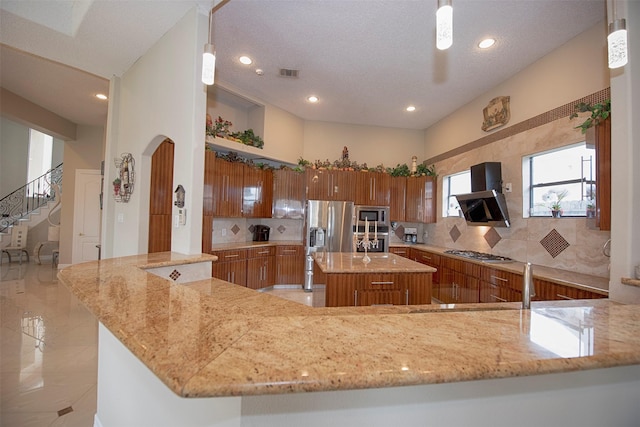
[160, 96]
[570, 72]
[625, 158]
[14, 146]
[366, 144]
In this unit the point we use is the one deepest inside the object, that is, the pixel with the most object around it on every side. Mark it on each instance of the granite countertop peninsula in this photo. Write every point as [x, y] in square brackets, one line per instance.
[242, 342]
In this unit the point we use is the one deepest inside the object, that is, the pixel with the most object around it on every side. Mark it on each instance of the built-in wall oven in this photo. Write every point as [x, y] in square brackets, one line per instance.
[377, 219]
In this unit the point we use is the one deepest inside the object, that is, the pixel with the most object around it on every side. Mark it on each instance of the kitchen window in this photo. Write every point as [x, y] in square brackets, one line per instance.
[562, 178]
[459, 183]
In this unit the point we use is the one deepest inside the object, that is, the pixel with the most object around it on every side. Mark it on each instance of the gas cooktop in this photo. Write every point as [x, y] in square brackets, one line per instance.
[479, 256]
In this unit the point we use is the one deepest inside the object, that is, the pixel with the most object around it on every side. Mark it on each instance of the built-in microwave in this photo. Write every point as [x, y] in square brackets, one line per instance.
[372, 214]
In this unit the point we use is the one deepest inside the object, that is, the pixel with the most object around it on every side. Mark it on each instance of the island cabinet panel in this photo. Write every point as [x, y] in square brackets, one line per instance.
[207, 233]
[372, 188]
[397, 198]
[323, 184]
[261, 263]
[288, 194]
[231, 266]
[421, 199]
[549, 291]
[373, 289]
[257, 192]
[289, 265]
[500, 286]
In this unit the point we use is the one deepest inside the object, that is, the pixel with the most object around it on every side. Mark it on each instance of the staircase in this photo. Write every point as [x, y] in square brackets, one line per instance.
[30, 203]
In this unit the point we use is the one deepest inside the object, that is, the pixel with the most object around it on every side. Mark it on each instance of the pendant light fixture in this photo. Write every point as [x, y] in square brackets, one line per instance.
[209, 57]
[444, 25]
[617, 40]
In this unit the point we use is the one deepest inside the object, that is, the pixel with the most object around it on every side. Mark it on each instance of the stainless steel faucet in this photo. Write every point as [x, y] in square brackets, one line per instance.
[528, 290]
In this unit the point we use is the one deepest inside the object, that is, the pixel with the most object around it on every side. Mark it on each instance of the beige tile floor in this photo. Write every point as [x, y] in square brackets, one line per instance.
[48, 349]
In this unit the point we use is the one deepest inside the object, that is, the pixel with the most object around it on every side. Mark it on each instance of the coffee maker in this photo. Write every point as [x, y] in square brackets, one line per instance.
[410, 235]
[261, 233]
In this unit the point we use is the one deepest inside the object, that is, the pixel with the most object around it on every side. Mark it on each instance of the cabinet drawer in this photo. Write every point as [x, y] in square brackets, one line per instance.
[502, 278]
[379, 282]
[230, 255]
[403, 252]
[261, 251]
[453, 264]
[426, 257]
[289, 250]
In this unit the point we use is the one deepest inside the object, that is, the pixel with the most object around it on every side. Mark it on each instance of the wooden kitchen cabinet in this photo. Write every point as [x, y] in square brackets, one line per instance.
[288, 194]
[227, 186]
[500, 286]
[375, 289]
[261, 272]
[372, 189]
[421, 199]
[549, 291]
[431, 259]
[324, 184]
[290, 265]
[257, 192]
[401, 251]
[231, 266]
[458, 283]
[397, 198]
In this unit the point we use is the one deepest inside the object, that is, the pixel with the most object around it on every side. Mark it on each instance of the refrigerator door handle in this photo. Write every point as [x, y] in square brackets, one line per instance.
[330, 224]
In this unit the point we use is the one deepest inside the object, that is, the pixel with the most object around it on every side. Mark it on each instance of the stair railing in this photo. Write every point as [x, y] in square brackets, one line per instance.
[31, 196]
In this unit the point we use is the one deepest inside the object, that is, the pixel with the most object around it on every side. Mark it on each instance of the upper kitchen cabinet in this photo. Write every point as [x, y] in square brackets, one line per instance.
[288, 194]
[223, 187]
[397, 197]
[600, 137]
[421, 199]
[372, 188]
[324, 184]
[257, 192]
[281, 131]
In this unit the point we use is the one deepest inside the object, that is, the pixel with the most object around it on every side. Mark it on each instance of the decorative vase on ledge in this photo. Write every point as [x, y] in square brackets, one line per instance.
[556, 213]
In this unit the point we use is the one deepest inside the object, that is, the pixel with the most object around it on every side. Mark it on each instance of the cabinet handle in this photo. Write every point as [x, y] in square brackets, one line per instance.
[232, 256]
[498, 298]
[563, 296]
[263, 252]
[399, 252]
[233, 277]
[426, 257]
[500, 279]
[289, 250]
[406, 297]
[355, 298]
[382, 283]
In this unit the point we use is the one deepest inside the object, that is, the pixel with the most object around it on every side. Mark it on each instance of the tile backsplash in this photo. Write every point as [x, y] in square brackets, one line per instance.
[238, 230]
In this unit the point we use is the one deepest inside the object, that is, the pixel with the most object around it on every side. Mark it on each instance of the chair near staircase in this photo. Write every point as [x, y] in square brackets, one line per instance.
[18, 242]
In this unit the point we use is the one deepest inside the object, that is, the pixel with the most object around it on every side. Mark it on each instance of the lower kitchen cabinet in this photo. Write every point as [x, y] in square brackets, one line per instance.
[432, 260]
[261, 264]
[289, 265]
[231, 266]
[548, 291]
[401, 251]
[458, 282]
[500, 286]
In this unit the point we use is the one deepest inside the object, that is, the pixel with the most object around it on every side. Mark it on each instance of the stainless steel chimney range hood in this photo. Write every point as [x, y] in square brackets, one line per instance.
[485, 205]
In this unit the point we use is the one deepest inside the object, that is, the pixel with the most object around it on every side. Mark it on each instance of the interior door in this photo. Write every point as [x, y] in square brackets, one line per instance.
[87, 215]
[160, 200]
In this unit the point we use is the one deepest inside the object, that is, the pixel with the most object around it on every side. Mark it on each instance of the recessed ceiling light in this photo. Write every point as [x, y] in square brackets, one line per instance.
[259, 71]
[101, 96]
[411, 108]
[245, 60]
[486, 43]
[312, 99]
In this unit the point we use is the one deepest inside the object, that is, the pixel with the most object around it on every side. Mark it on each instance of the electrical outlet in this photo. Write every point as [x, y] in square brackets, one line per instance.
[507, 187]
[224, 231]
[120, 217]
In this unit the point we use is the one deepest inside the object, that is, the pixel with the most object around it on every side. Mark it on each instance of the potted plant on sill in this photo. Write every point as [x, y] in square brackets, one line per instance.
[556, 206]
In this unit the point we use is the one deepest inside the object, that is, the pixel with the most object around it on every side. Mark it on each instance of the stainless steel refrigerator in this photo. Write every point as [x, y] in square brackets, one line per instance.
[328, 228]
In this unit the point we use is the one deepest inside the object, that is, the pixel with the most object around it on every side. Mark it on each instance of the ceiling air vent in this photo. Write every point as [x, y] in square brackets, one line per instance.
[285, 72]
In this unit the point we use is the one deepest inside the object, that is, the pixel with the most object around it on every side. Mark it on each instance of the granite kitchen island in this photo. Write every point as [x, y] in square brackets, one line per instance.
[249, 358]
[347, 279]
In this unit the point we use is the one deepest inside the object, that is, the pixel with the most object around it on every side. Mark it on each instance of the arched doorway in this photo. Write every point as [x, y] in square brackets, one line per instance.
[160, 200]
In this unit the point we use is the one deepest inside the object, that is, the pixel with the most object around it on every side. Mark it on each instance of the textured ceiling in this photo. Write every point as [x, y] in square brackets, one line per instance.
[366, 60]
